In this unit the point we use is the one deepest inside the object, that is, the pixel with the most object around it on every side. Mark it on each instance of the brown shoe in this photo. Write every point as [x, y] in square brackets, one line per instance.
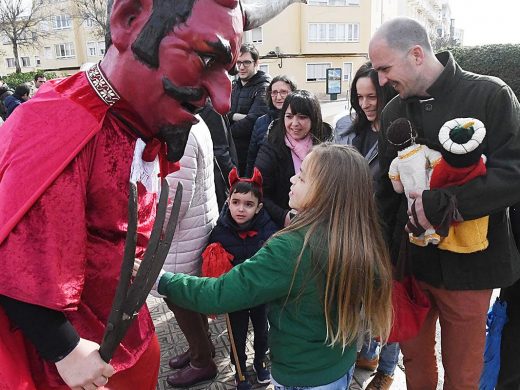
[380, 381]
[183, 359]
[180, 361]
[367, 364]
[190, 375]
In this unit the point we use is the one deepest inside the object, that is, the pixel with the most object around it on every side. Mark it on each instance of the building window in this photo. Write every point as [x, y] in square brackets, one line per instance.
[5, 39]
[264, 68]
[47, 52]
[61, 22]
[37, 61]
[254, 36]
[101, 48]
[257, 35]
[10, 62]
[347, 71]
[317, 71]
[333, 32]
[334, 3]
[64, 50]
[26, 61]
[44, 25]
[91, 49]
[89, 22]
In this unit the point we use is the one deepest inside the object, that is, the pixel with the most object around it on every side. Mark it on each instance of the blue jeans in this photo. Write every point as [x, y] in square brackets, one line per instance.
[341, 384]
[388, 356]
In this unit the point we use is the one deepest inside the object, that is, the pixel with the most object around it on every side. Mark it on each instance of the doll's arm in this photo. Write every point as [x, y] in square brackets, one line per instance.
[432, 156]
[393, 174]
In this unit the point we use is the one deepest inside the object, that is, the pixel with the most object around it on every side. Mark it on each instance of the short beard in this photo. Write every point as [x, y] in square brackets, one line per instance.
[175, 137]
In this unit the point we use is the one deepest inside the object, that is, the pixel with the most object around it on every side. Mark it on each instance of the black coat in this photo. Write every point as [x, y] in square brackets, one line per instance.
[224, 153]
[248, 99]
[258, 137]
[276, 165]
[226, 233]
[460, 94]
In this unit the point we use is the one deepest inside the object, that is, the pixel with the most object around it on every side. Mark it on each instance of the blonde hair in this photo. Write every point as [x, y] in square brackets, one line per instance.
[342, 212]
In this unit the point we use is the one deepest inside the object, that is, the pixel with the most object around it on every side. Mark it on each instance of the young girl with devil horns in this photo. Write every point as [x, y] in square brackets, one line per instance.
[242, 228]
[326, 276]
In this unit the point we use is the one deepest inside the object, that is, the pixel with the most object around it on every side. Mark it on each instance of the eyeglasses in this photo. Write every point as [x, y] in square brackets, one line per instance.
[281, 93]
[246, 63]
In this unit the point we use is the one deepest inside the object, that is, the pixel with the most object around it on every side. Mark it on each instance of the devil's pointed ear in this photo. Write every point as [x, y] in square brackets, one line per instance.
[233, 177]
[122, 18]
[257, 177]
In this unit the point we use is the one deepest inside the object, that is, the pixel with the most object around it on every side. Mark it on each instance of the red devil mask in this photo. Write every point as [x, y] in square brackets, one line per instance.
[169, 56]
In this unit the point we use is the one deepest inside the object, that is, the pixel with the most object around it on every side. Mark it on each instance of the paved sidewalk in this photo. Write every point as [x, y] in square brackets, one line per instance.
[173, 342]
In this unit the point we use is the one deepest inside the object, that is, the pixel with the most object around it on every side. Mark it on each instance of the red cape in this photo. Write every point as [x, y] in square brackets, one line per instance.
[33, 155]
[37, 146]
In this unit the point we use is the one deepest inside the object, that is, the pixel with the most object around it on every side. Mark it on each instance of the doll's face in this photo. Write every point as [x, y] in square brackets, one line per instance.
[243, 207]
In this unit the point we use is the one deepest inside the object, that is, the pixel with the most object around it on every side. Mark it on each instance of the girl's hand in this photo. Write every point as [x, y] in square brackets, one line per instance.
[83, 368]
[137, 264]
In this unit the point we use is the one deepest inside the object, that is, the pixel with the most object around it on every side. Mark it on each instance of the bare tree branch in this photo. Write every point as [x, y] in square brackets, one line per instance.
[24, 23]
[96, 12]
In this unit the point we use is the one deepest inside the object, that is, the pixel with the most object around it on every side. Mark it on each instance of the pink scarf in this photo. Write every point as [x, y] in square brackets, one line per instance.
[300, 148]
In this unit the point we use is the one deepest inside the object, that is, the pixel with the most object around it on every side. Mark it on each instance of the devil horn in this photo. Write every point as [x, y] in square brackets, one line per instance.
[233, 176]
[258, 12]
[257, 177]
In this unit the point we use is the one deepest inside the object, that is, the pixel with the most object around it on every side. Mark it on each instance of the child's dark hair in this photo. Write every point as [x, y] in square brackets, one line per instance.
[243, 185]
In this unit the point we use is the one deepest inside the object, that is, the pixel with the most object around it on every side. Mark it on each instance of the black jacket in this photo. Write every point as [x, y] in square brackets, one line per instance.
[224, 153]
[226, 232]
[249, 100]
[258, 137]
[276, 166]
[460, 94]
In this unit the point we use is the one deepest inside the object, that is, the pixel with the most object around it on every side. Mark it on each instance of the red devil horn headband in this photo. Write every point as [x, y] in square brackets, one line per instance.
[256, 179]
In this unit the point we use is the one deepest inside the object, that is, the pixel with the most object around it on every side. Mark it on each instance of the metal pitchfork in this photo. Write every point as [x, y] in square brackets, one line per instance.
[129, 297]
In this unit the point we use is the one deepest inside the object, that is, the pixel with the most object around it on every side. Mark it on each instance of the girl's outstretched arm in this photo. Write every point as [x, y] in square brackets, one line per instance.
[265, 277]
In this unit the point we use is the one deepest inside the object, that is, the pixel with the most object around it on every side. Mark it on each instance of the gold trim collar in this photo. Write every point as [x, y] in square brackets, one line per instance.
[98, 81]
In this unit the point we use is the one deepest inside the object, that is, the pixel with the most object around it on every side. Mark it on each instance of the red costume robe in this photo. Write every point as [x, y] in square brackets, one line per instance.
[467, 236]
[65, 162]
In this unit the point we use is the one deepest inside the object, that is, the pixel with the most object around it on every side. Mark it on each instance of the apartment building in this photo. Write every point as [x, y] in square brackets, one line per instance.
[302, 42]
[305, 40]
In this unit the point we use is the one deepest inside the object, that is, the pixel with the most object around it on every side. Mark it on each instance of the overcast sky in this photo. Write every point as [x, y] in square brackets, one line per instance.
[487, 21]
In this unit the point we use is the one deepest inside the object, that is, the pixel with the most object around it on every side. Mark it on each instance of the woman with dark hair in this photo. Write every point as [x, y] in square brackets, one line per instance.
[367, 99]
[276, 92]
[300, 126]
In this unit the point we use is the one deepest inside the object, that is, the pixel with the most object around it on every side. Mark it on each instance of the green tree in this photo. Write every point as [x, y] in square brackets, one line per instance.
[14, 79]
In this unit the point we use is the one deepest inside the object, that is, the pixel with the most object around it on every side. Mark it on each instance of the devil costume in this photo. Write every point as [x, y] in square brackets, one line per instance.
[68, 258]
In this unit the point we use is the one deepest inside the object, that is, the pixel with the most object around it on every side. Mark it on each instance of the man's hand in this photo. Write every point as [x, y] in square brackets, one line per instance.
[419, 209]
[83, 368]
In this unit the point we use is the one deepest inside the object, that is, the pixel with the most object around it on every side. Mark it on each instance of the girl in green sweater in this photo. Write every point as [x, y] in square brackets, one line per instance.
[326, 276]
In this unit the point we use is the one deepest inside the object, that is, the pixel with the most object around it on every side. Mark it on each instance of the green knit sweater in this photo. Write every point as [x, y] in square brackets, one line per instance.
[299, 354]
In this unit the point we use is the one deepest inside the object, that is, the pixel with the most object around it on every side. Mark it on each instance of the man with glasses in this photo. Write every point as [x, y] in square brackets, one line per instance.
[433, 89]
[247, 101]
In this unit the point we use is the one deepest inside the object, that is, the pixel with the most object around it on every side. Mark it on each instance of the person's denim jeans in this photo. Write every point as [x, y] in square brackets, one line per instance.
[388, 356]
[341, 384]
